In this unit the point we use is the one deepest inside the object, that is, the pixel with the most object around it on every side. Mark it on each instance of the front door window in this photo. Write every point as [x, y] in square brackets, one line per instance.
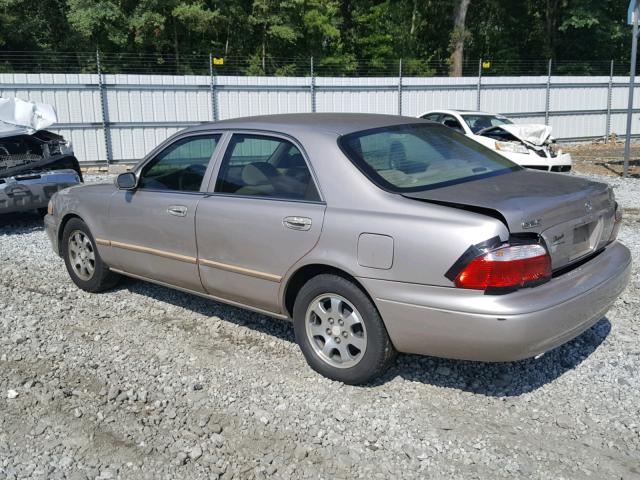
[181, 166]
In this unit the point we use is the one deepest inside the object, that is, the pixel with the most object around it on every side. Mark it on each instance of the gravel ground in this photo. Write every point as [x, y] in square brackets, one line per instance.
[146, 382]
[604, 158]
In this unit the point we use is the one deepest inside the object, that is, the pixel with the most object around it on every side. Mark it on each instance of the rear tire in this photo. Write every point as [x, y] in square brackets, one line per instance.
[340, 331]
[82, 259]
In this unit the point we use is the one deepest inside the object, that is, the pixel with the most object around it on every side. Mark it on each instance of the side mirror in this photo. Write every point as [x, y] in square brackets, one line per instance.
[126, 181]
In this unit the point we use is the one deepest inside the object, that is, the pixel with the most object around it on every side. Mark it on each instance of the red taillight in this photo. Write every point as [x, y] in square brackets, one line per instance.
[509, 266]
[616, 224]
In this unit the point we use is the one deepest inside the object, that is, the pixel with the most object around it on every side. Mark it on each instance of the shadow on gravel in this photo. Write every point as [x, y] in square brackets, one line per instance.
[21, 222]
[210, 308]
[491, 379]
[501, 379]
[616, 167]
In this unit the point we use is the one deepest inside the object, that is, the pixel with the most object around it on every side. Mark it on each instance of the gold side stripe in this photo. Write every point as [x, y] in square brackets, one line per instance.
[153, 251]
[241, 270]
[184, 258]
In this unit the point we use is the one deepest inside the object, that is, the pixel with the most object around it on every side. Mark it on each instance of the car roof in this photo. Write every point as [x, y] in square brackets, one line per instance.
[462, 112]
[330, 123]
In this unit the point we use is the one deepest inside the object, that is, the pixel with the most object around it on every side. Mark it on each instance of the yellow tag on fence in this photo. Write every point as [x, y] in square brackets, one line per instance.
[486, 65]
[218, 61]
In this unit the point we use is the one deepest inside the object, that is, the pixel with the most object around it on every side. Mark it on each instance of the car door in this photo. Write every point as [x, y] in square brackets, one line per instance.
[152, 228]
[264, 213]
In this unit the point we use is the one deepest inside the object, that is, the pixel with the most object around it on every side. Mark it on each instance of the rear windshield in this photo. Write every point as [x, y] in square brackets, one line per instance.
[409, 158]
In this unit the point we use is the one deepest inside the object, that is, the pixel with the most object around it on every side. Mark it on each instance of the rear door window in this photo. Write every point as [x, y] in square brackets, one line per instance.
[263, 166]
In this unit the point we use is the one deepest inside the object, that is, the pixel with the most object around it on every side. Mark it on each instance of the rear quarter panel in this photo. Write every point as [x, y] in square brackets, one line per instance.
[427, 238]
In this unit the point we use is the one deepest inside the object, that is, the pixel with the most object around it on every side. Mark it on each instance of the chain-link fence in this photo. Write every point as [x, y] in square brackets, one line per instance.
[116, 107]
[202, 64]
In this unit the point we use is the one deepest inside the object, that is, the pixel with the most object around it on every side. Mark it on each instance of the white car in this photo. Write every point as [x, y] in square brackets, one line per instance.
[528, 145]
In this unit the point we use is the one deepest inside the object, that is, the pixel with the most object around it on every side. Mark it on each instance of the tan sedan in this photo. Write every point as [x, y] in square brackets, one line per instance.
[374, 233]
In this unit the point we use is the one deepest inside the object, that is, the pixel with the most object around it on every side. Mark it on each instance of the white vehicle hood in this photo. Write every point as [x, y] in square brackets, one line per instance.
[21, 117]
[533, 133]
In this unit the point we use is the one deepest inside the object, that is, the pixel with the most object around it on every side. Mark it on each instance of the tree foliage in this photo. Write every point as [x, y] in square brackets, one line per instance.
[342, 35]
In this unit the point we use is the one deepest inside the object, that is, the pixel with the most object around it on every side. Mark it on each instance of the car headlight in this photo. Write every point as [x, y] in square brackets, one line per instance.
[511, 147]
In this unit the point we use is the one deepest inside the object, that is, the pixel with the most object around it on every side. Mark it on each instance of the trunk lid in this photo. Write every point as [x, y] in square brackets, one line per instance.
[574, 216]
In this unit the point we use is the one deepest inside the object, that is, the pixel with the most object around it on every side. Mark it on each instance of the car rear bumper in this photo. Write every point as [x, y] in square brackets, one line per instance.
[31, 191]
[466, 324]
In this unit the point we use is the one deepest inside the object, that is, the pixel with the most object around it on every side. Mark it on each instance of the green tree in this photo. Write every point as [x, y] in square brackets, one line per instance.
[343, 36]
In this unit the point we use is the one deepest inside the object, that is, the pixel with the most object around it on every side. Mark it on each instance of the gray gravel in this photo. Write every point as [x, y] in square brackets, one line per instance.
[146, 382]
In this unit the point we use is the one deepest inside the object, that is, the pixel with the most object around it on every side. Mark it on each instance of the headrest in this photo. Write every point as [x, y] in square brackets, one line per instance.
[397, 151]
[292, 160]
[258, 173]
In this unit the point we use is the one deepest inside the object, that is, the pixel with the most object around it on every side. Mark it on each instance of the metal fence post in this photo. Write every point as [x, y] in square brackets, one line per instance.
[479, 86]
[547, 100]
[632, 87]
[104, 110]
[400, 88]
[312, 86]
[607, 132]
[212, 88]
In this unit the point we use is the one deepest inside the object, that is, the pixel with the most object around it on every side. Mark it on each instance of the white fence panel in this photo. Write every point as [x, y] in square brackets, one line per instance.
[246, 96]
[360, 95]
[423, 94]
[513, 95]
[141, 111]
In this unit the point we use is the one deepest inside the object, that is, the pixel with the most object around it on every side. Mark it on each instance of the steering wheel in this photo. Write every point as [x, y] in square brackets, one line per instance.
[193, 169]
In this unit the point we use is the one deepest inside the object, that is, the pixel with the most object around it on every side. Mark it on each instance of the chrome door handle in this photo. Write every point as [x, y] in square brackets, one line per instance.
[297, 223]
[177, 210]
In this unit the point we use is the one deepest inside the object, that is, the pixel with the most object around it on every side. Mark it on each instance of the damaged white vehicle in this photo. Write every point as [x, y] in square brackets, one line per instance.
[530, 146]
[34, 163]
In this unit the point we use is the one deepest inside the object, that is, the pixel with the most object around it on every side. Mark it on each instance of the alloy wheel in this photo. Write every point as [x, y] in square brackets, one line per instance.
[336, 330]
[81, 255]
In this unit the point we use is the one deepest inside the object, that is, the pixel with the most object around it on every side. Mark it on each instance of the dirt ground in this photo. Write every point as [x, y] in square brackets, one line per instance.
[604, 158]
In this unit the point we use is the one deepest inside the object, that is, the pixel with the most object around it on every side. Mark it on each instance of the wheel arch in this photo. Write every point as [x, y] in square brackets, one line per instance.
[305, 273]
[63, 223]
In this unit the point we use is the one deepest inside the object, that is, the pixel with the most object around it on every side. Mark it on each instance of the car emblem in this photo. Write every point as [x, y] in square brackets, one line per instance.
[557, 240]
[532, 223]
[587, 206]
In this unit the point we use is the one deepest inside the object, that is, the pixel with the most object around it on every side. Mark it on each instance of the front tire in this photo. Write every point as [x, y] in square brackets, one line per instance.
[82, 259]
[340, 331]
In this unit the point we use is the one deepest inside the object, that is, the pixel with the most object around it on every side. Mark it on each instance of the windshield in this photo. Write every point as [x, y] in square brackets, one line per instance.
[479, 122]
[408, 158]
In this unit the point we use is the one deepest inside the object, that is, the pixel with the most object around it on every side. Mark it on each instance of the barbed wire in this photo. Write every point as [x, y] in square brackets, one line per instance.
[200, 64]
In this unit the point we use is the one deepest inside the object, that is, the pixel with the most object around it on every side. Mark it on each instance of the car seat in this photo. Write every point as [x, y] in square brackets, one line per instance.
[398, 159]
[258, 179]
